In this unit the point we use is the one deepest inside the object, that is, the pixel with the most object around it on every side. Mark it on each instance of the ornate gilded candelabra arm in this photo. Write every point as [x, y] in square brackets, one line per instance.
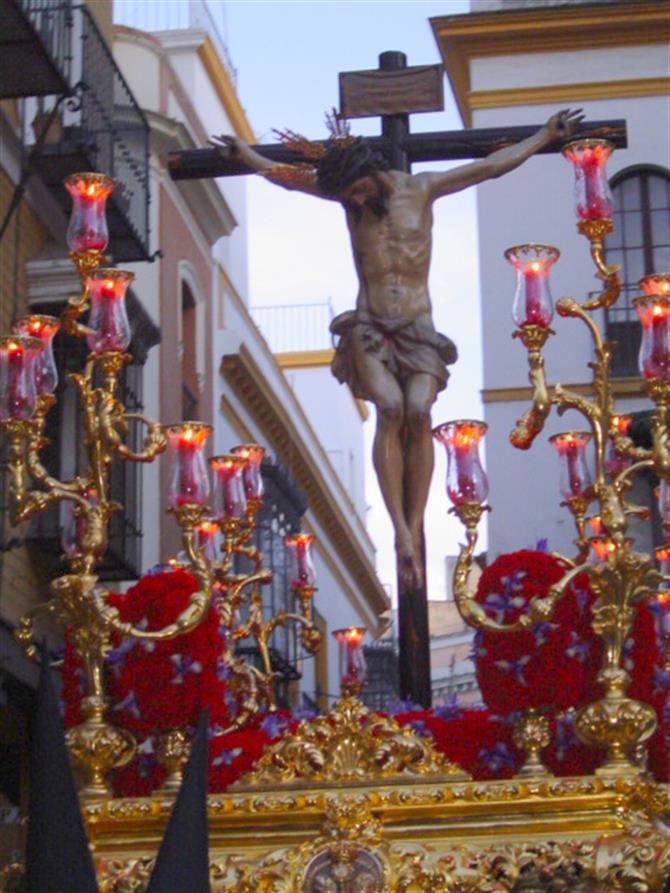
[578, 506]
[532, 421]
[595, 231]
[155, 440]
[659, 391]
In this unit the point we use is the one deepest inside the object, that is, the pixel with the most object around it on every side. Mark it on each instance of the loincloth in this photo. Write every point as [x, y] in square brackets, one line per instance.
[403, 345]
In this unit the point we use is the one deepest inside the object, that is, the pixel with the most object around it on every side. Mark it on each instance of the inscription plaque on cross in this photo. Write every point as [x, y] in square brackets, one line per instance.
[394, 92]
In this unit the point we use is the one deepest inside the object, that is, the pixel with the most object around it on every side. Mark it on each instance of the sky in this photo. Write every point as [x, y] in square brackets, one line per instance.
[288, 56]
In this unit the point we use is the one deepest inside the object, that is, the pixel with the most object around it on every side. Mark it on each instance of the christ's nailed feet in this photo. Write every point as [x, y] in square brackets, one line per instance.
[410, 573]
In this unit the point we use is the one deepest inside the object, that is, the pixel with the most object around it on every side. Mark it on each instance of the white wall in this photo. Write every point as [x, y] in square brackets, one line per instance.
[535, 203]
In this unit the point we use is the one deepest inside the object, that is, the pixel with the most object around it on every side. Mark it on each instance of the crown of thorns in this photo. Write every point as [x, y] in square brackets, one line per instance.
[332, 165]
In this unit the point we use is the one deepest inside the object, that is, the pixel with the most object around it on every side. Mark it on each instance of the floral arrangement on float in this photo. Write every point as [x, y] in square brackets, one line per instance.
[157, 690]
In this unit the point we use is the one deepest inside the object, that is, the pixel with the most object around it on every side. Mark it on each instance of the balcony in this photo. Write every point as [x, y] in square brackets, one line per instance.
[35, 47]
[97, 124]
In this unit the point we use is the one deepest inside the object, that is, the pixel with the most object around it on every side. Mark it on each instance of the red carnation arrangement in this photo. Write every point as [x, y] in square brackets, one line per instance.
[153, 687]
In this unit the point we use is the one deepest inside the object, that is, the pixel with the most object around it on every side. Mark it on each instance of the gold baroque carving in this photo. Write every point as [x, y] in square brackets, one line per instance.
[349, 743]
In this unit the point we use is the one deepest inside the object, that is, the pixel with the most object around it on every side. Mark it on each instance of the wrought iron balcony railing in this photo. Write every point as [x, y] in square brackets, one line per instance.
[98, 125]
[35, 47]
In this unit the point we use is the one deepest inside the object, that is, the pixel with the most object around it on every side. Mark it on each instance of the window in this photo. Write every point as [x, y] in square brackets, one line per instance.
[640, 243]
[189, 363]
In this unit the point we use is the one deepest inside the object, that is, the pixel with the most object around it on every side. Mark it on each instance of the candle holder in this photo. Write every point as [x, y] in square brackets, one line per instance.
[619, 577]
[533, 304]
[353, 668]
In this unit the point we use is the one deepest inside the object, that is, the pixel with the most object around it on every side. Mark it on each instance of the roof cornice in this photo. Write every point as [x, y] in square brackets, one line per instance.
[461, 38]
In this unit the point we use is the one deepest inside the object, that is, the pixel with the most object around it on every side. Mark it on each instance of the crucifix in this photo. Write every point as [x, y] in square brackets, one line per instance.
[388, 351]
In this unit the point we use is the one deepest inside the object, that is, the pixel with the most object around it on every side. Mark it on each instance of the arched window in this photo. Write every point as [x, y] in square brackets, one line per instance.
[640, 243]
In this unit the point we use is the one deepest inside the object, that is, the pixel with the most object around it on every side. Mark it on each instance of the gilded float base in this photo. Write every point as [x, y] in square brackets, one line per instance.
[433, 835]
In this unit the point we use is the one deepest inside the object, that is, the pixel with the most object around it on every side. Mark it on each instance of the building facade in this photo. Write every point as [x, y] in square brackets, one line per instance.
[516, 64]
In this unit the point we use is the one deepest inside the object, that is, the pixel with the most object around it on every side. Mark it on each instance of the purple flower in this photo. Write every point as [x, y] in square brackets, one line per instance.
[419, 726]
[477, 649]
[565, 733]
[581, 597]
[661, 680]
[116, 656]
[497, 757]
[448, 710]
[541, 631]
[502, 602]
[226, 757]
[577, 647]
[303, 713]
[184, 664]
[515, 667]
[129, 704]
[402, 707]
[542, 544]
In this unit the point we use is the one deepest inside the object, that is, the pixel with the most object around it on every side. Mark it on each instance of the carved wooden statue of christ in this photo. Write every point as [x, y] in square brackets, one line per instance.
[388, 351]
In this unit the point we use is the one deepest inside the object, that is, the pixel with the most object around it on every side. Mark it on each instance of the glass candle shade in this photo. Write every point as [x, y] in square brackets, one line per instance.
[188, 483]
[230, 502]
[108, 318]
[663, 496]
[595, 523]
[533, 304]
[251, 473]
[87, 228]
[206, 536]
[615, 464]
[575, 478]
[593, 198]
[654, 314]
[662, 555]
[18, 393]
[466, 479]
[353, 668]
[299, 553]
[43, 328]
[655, 284]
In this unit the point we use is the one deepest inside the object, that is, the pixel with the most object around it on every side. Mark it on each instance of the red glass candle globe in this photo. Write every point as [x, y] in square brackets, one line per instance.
[230, 502]
[18, 392]
[43, 328]
[108, 318]
[466, 478]
[299, 554]
[87, 228]
[533, 304]
[188, 483]
[353, 667]
[654, 313]
[251, 473]
[593, 197]
[575, 478]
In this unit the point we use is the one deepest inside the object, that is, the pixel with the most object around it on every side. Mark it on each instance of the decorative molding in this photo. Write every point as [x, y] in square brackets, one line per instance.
[225, 90]
[621, 387]
[297, 359]
[244, 376]
[577, 92]
[461, 38]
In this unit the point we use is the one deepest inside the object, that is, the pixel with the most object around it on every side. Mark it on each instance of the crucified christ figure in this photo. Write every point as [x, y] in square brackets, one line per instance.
[388, 350]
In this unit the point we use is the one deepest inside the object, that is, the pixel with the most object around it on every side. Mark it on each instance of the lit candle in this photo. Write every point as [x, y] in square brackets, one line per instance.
[615, 464]
[43, 328]
[251, 473]
[188, 484]
[229, 497]
[592, 193]
[87, 228]
[353, 669]
[108, 319]
[602, 547]
[571, 448]
[18, 394]
[206, 534]
[654, 314]
[299, 553]
[533, 304]
[655, 284]
[466, 479]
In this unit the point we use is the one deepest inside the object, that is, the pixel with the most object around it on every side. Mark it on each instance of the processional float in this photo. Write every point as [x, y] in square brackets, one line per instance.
[352, 801]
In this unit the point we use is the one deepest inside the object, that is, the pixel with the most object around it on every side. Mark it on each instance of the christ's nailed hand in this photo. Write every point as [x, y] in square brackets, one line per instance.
[564, 124]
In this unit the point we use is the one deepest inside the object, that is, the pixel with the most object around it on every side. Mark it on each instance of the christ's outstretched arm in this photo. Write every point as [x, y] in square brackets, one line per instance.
[560, 126]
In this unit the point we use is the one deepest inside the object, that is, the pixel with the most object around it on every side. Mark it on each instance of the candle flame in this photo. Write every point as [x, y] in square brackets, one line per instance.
[536, 266]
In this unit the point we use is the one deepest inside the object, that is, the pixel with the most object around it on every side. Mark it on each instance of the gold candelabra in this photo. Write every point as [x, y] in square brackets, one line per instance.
[28, 378]
[620, 577]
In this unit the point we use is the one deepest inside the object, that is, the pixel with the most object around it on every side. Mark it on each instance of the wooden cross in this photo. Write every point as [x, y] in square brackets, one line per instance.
[394, 91]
